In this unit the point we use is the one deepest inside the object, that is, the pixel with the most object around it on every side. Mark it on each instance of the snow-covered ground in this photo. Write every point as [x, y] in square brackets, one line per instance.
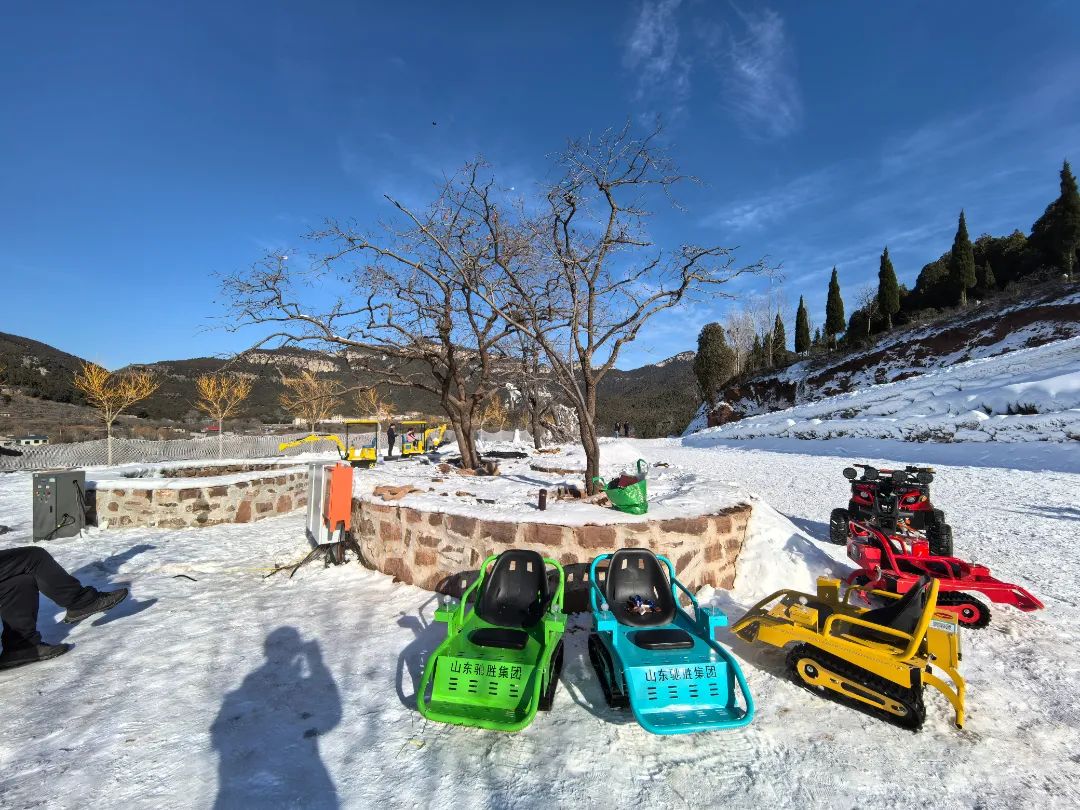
[1022, 396]
[215, 684]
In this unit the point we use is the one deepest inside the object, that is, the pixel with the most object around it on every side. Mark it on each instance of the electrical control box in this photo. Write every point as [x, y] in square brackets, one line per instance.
[59, 504]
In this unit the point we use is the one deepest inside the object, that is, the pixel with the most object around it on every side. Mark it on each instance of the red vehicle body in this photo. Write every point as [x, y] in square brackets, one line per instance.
[894, 501]
[895, 563]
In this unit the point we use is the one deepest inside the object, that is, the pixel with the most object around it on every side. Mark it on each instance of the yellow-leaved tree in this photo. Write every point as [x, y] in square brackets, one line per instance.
[112, 393]
[220, 396]
[309, 398]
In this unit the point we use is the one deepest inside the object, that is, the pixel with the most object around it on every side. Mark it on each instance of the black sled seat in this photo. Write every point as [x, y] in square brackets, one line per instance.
[515, 595]
[637, 572]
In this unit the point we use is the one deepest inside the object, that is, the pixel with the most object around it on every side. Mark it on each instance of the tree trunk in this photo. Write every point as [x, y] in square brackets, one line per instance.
[108, 443]
[466, 439]
[534, 425]
[589, 441]
[220, 442]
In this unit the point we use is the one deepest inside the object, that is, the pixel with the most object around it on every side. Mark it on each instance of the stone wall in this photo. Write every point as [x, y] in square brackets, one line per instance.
[428, 548]
[204, 503]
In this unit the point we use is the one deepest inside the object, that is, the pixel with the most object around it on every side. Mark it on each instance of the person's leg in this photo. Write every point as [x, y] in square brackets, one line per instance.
[51, 579]
[19, 611]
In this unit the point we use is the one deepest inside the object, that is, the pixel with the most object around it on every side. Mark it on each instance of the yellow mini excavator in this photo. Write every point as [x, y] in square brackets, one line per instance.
[364, 455]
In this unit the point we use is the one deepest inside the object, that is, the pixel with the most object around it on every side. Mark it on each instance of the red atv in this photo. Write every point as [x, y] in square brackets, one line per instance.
[895, 563]
[895, 501]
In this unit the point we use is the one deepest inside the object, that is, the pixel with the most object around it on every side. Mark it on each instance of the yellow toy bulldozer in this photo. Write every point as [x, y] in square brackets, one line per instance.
[417, 438]
[879, 659]
[363, 456]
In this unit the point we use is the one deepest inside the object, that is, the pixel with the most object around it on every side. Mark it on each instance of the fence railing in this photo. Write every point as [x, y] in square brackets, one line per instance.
[147, 451]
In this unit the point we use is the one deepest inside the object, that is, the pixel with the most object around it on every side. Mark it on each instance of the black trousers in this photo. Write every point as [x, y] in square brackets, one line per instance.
[25, 572]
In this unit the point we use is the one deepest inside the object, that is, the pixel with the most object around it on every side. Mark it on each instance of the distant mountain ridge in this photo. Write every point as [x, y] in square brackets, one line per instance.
[656, 399]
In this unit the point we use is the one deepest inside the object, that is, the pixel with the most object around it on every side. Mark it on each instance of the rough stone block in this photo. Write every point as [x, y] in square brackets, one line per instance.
[546, 534]
[389, 531]
[498, 531]
[460, 524]
[243, 513]
[596, 537]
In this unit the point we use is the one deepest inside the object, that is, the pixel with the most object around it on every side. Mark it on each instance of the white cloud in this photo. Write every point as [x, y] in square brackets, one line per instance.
[775, 205]
[757, 67]
[652, 53]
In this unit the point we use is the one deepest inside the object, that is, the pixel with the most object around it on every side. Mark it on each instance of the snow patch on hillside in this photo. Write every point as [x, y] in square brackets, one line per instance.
[1024, 395]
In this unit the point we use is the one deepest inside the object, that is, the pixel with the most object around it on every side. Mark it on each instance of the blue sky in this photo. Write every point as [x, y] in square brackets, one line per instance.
[148, 146]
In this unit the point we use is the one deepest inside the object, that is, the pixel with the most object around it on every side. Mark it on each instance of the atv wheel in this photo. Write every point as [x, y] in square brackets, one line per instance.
[939, 537]
[605, 671]
[810, 668]
[838, 527]
[970, 612]
[548, 697]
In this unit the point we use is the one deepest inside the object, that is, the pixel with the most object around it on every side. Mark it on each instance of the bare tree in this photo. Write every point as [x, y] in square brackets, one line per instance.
[867, 300]
[594, 278]
[309, 398]
[370, 404]
[220, 396]
[494, 414]
[739, 326]
[405, 315]
[111, 394]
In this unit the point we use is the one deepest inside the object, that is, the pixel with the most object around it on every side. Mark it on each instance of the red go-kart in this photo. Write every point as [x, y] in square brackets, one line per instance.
[895, 563]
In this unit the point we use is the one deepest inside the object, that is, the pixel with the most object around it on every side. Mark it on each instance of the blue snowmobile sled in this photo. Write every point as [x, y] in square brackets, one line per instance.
[650, 655]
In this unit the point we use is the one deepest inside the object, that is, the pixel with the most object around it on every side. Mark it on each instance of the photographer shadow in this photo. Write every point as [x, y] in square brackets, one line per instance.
[266, 733]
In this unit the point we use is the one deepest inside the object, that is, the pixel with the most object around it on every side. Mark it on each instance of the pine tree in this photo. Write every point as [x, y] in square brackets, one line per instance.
[988, 283]
[962, 263]
[888, 291]
[714, 363]
[779, 342]
[767, 350]
[1057, 232]
[754, 363]
[816, 344]
[834, 311]
[802, 329]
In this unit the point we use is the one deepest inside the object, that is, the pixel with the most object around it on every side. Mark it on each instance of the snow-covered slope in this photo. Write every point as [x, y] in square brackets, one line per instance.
[1023, 395]
[215, 684]
[981, 332]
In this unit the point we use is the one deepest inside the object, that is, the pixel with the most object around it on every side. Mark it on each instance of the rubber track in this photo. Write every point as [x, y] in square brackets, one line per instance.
[954, 598]
[548, 698]
[603, 665]
[911, 698]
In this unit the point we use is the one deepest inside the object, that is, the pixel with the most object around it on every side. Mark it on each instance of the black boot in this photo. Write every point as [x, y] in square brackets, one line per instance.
[21, 656]
[103, 601]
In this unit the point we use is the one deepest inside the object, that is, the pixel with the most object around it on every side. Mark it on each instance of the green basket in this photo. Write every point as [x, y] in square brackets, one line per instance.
[632, 499]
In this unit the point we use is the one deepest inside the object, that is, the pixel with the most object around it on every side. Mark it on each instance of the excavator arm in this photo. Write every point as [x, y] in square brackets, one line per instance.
[316, 438]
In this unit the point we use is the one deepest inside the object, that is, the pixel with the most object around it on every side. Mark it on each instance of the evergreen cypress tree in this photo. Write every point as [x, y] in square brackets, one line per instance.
[888, 291]
[988, 282]
[767, 350]
[1057, 232]
[962, 262]
[834, 311]
[816, 343]
[714, 363]
[802, 329]
[754, 361]
[779, 342]
[1069, 211]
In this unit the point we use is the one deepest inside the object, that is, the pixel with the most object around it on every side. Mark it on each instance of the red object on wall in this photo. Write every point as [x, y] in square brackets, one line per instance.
[337, 509]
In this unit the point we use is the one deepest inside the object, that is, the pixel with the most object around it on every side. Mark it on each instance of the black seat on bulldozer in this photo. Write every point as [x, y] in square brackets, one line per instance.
[514, 595]
[903, 614]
